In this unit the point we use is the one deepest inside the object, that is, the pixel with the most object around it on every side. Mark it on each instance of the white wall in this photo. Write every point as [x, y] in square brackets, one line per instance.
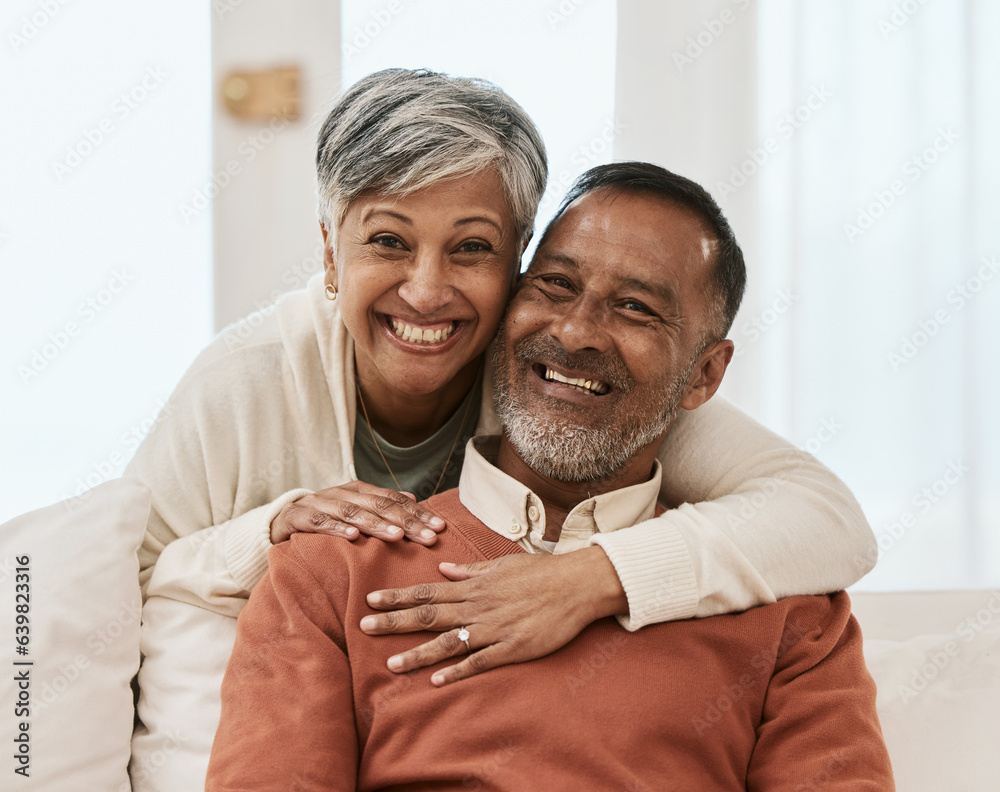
[267, 239]
[104, 289]
[686, 88]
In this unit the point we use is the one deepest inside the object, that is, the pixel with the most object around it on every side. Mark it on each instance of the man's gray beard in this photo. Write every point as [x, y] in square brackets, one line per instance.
[573, 453]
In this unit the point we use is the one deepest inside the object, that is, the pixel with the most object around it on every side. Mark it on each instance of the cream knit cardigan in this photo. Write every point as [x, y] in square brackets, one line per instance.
[266, 414]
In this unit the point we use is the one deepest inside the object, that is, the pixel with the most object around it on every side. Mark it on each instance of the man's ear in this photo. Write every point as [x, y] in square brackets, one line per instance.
[328, 263]
[707, 375]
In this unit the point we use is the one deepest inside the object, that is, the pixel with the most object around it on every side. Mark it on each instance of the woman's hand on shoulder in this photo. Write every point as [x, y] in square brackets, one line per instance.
[514, 609]
[356, 508]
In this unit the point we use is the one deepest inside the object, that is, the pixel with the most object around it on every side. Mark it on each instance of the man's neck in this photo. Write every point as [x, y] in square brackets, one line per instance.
[561, 497]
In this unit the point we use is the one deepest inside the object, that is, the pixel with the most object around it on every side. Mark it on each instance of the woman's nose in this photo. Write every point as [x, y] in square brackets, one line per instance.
[581, 325]
[427, 288]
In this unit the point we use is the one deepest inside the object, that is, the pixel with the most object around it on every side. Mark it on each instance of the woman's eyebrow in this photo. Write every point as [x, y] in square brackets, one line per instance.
[376, 211]
[479, 219]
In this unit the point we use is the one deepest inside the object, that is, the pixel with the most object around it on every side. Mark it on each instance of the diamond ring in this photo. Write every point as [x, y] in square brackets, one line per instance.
[463, 636]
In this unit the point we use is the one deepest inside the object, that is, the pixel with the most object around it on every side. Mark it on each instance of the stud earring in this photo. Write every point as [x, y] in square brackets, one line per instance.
[331, 292]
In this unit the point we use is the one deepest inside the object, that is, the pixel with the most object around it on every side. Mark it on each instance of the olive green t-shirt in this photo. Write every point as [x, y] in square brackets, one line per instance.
[418, 468]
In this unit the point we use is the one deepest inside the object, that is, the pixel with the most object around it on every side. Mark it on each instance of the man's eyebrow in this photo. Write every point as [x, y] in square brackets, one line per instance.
[558, 258]
[661, 291]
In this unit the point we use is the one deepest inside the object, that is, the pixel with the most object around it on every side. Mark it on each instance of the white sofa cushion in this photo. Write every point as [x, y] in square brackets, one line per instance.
[938, 702]
[80, 596]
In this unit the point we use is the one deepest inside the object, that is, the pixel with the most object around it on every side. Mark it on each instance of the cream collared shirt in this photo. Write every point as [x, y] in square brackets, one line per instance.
[508, 507]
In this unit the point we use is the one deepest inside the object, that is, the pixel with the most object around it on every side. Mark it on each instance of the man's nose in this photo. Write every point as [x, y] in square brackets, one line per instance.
[582, 326]
[427, 288]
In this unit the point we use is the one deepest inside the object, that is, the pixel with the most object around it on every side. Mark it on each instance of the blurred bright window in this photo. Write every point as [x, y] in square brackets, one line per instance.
[105, 285]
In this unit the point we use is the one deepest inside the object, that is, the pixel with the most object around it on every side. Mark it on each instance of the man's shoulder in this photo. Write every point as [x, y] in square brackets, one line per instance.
[824, 612]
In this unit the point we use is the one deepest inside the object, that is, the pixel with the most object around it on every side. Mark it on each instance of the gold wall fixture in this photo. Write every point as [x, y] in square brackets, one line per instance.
[263, 95]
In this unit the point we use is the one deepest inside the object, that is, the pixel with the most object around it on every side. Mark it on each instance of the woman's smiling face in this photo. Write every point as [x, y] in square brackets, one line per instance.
[423, 280]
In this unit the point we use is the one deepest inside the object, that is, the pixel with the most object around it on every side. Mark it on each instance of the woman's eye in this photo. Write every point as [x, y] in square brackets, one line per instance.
[391, 242]
[474, 246]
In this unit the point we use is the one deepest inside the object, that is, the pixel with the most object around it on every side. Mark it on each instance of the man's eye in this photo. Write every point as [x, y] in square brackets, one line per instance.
[558, 281]
[636, 306]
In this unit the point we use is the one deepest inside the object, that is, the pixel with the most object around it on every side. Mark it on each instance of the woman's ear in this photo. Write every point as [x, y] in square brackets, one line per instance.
[329, 265]
[707, 375]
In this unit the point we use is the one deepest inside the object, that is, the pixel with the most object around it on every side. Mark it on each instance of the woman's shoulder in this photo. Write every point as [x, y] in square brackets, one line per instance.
[280, 333]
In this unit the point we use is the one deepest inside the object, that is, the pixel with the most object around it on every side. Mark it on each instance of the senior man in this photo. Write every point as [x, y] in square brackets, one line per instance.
[618, 323]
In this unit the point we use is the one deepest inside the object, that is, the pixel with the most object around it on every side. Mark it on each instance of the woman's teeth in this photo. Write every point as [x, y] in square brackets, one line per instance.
[417, 335]
[586, 385]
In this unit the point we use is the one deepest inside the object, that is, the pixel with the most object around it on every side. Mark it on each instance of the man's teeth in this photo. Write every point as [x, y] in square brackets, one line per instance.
[417, 335]
[589, 386]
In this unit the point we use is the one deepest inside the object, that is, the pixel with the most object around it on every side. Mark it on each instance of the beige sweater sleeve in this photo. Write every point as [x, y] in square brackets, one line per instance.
[257, 421]
[754, 520]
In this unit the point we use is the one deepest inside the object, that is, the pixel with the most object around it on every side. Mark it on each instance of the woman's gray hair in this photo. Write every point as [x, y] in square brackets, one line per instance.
[401, 130]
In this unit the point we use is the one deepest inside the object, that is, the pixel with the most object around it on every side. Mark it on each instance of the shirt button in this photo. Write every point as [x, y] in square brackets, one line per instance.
[514, 528]
[533, 514]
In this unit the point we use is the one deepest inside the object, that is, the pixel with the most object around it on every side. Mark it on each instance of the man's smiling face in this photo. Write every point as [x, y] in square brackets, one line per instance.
[602, 341]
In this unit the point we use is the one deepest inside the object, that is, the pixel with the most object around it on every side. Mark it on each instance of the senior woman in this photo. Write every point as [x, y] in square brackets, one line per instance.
[378, 371]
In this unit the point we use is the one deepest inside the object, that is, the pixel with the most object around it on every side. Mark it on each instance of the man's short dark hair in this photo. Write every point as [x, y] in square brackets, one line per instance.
[729, 277]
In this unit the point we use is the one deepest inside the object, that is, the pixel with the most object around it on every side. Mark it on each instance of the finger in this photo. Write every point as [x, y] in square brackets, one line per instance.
[406, 501]
[358, 513]
[441, 648]
[414, 596]
[423, 617]
[304, 519]
[465, 571]
[489, 657]
[419, 525]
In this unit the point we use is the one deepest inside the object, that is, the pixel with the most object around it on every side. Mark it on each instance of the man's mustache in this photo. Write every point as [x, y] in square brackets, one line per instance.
[609, 368]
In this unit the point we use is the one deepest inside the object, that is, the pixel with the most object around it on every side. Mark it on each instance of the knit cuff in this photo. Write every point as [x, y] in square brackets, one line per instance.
[655, 568]
[248, 538]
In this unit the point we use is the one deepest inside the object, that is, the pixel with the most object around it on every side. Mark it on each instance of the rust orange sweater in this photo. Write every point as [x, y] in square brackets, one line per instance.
[776, 698]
